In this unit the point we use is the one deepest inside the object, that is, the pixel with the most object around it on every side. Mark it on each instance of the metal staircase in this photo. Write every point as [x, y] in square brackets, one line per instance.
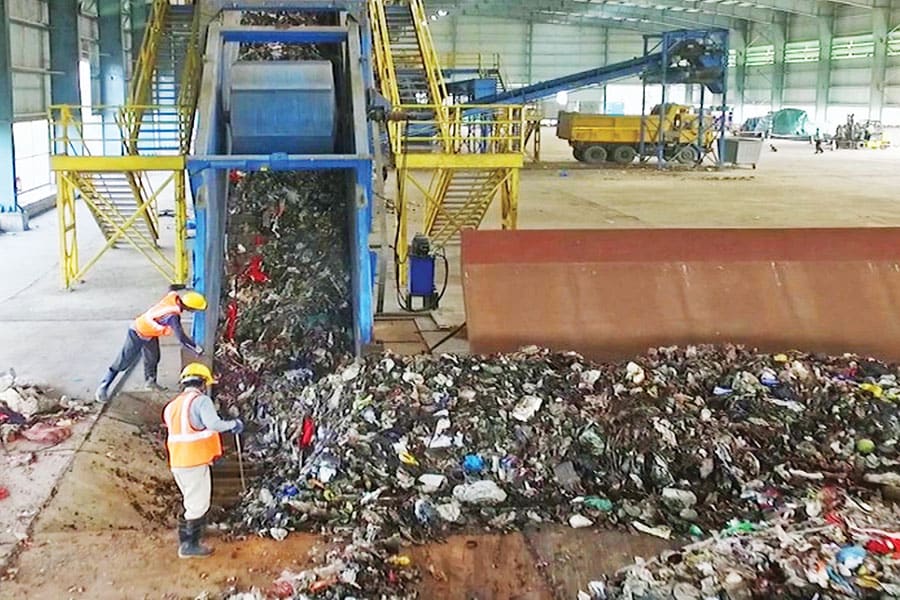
[111, 200]
[411, 76]
[155, 129]
[473, 156]
[463, 206]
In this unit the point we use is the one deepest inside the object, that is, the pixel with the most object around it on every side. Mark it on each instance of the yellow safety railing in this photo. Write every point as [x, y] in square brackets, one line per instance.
[482, 62]
[141, 84]
[144, 130]
[436, 85]
[191, 74]
[459, 129]
[384, 60]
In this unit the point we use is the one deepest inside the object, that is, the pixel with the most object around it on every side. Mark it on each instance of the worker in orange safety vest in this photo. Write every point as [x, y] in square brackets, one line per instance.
[163, 318]
[193, 443]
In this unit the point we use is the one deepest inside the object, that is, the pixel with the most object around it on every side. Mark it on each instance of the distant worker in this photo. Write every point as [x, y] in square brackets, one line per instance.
[193, 443]
[164, 318]
[817, 138]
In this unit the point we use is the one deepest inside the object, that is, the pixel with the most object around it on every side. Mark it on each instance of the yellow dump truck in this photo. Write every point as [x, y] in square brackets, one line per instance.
[601, 138]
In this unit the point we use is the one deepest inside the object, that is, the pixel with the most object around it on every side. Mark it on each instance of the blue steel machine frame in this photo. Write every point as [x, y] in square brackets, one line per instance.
[709, 69]
[353, 154]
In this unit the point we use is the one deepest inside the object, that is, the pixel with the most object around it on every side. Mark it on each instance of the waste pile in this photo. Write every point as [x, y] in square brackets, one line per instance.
[277, 50]
[385, 450]
[287, 300]
[852, 550]
[677, 440]
[35, 414]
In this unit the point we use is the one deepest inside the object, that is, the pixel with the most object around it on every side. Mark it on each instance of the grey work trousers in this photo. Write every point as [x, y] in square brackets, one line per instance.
[136, 345]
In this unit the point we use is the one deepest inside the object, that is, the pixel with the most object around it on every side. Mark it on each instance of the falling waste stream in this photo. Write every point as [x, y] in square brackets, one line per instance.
[770, 467]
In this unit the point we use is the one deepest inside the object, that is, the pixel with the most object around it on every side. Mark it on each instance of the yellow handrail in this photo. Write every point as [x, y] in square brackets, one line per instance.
[190, 83]
[384, 60]
[461, 129]
[482, 62]
[145, 65]
[66, 120]
[435, 77]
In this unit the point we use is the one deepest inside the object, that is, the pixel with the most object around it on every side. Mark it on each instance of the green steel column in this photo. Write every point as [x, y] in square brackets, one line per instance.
[605, 62]
[779, 39]
[823, 67]
[529, 51]
[64, 52]
[738, 41]
[140, 12]
[12, 218]
[112, 56]
[880, 18]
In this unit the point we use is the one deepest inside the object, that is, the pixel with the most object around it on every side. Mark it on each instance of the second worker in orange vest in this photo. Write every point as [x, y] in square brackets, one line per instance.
[193, 443]
[163, 318]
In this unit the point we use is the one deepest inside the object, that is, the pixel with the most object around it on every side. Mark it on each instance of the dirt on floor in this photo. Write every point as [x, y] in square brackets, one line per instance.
[109, 533]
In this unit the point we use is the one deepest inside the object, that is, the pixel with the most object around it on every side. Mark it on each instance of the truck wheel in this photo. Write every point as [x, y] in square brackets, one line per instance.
[578, 153]
[687, 155]
[594, 155]
[623, 154]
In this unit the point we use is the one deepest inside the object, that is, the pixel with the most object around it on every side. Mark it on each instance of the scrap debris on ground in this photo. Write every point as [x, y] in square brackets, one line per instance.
[850, 551]
[34, 414]
[770, 463]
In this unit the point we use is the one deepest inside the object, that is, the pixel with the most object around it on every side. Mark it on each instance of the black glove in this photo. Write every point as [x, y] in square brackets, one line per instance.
[238, 427]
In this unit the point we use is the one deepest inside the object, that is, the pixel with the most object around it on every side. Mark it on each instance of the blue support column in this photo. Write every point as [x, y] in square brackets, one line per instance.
[112, 70]
[12, 218]
[64, 52]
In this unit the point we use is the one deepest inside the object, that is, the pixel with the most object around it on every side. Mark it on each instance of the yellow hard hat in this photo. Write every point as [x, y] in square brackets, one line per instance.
[194, 300]
[197, 371]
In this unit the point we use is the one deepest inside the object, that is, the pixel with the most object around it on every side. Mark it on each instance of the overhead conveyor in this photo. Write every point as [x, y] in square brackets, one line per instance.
[685, 56]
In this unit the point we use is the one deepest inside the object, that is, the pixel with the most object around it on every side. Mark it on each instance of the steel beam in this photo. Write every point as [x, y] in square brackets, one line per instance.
[112, 56]
[695, 8]
[580, 13]
[823, 67]
[294, 35]
[778, 35]
[738, 41]
[568, 18]
[625, 14]
[64, 52]
[529, 52]
[12, 217]
[880, 17]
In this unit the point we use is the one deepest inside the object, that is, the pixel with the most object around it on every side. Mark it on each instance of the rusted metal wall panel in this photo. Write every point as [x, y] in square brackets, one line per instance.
[611, 294]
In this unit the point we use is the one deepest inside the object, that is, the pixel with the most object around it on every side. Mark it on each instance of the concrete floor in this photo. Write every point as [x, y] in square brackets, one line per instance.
[66, 339]
[790, 188]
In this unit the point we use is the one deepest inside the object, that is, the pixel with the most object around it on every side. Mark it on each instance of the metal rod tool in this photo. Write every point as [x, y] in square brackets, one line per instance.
[240, 453]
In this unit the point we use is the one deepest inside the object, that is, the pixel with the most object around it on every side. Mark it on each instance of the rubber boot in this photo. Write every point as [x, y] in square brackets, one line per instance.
[102, 393]
[184, 534]
[192, 548]
[152, 386]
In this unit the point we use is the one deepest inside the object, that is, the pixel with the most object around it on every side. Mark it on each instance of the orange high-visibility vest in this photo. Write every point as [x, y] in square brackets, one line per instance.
[147, 325]
[189, 447]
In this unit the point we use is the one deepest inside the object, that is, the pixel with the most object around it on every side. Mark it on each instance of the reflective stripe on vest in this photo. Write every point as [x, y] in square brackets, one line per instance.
[147, 325]
[189, 447]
